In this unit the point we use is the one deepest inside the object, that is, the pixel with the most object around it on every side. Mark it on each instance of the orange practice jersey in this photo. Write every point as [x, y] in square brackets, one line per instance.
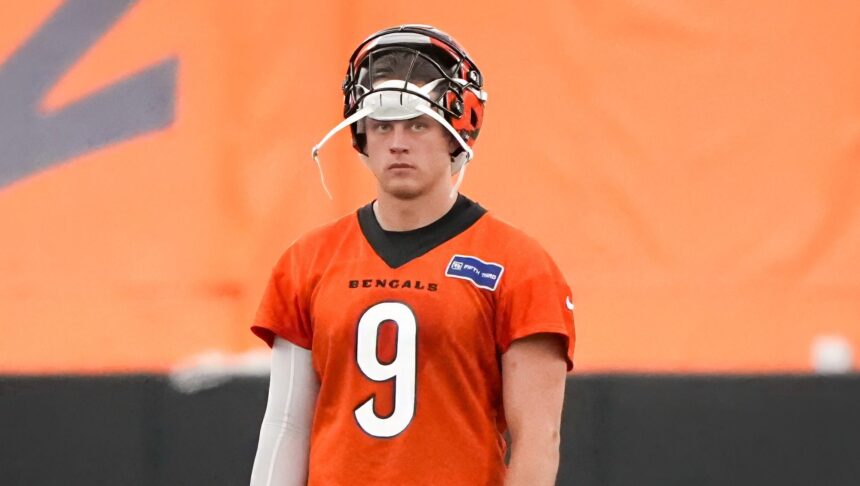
[406, 332]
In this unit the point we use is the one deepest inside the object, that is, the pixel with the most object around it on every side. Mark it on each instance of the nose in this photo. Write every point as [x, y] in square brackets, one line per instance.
[399, 139]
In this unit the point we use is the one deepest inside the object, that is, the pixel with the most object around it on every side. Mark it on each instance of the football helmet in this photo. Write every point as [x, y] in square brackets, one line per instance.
[406, 71]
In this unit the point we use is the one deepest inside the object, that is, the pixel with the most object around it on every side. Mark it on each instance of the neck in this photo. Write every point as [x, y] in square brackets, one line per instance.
[396, 214]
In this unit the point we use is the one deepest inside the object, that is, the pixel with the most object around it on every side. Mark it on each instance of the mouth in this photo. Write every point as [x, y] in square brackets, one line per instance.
[399, 165]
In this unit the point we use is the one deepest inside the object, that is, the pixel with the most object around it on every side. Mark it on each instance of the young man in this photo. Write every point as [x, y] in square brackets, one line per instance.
[409, 335]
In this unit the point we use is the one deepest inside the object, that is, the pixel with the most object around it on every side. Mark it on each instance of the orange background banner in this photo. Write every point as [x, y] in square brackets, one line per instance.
[694, 168]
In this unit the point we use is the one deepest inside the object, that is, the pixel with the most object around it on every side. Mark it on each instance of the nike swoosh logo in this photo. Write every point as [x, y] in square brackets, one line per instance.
[568, 303]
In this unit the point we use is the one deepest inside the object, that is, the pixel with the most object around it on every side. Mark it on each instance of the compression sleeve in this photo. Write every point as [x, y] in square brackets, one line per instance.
[282, 452]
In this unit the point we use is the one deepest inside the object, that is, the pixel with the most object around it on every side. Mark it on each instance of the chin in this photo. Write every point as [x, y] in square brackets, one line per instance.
[403, 191]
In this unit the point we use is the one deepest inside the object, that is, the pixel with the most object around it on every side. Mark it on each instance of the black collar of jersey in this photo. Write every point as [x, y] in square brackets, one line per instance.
[397, 248]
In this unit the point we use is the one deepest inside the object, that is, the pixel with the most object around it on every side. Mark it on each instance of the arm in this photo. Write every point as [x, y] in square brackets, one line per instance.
[282, 453]
[533, 375]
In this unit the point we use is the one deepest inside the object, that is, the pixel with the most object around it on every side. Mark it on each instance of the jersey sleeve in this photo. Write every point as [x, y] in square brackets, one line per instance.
[284, 309]
[534, 298]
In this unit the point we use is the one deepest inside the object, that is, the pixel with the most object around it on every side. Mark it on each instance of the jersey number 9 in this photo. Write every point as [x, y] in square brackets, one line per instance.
[402, 369]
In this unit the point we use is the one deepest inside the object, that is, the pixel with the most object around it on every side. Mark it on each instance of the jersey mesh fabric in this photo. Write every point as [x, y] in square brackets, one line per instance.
[327, 280]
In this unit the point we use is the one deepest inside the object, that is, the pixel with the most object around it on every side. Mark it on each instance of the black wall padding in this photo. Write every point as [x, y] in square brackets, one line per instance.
[617, 430]
[127, 430]
[702, 430]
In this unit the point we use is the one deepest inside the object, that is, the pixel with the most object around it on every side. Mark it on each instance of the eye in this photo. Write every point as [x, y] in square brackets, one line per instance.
[380, 127]
[418, 125]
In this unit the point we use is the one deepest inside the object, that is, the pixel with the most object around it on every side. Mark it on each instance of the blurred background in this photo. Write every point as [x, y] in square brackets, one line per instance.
[693, 167]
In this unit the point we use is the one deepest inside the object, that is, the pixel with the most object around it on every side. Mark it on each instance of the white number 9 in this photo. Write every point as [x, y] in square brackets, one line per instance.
[402, 369]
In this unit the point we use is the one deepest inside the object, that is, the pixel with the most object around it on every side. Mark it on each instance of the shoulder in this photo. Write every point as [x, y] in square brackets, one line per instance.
[320, 242]
[325, 234]
[511, 242]
[521, 255]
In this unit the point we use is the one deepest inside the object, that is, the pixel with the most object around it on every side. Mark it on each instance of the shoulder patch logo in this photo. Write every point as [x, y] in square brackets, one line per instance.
[485, 275]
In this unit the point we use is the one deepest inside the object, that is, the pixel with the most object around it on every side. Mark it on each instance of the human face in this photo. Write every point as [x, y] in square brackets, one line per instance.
[409, 158]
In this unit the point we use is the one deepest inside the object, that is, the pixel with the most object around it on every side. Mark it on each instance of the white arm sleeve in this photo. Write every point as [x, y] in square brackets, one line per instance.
[282, 453]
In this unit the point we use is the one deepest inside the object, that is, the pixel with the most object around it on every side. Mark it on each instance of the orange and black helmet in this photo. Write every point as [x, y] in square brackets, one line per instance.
[417, 55]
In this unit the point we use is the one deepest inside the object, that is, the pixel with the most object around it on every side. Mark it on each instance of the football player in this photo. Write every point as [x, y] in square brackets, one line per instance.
[410, 335]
